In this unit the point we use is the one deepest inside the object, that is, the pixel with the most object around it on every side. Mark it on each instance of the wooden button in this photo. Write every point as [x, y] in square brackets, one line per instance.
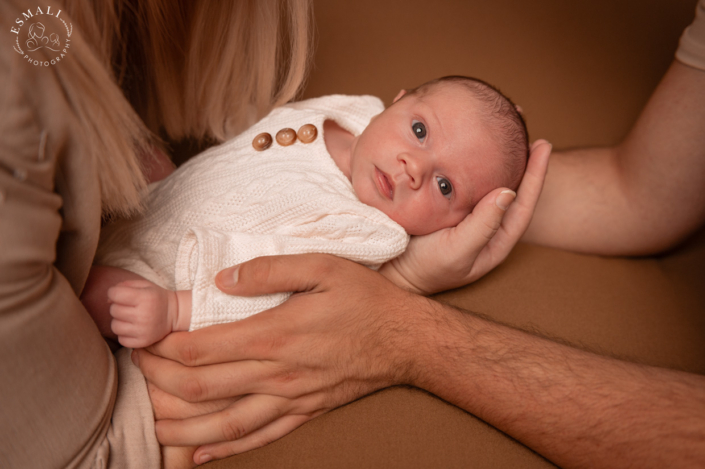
[286, 137]
[262, 141]
[307, 133]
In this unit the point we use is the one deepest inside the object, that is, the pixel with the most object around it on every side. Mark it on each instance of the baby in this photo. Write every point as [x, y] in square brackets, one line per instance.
[374, 177]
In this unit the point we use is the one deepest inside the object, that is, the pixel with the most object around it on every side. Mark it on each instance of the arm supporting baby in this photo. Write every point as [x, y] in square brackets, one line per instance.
[640, 197]
[576, 408]
[644, 195]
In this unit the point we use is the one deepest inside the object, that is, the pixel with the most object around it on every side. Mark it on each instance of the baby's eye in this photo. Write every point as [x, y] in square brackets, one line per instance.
[444, 185]
[419, 130]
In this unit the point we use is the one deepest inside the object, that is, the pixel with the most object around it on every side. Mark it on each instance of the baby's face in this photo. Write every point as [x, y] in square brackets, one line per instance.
[426, 160]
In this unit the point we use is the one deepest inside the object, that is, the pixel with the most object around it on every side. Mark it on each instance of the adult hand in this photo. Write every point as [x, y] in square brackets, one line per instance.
[313, 353]
[167, 406]
[460, 255]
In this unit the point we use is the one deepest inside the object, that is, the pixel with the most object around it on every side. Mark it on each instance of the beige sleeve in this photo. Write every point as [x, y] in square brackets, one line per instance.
[691, 50]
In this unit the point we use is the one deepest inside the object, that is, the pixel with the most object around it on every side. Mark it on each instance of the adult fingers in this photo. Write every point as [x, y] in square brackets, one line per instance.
[467, 242]
[205, 383]
[255, 336]
[273, 274]
[488, 217]
[518, 216]
[258, 335]
[243, 417]
[479, 228]
[532, 183]
[520, 212]
[168, 406]
[262, 437]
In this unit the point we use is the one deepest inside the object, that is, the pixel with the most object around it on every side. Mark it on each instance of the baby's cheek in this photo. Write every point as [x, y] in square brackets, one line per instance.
[416, 217]
[455, 218]
[417, 223]
[412, 224]
[367, 196]
[433, 222]
[412, 221]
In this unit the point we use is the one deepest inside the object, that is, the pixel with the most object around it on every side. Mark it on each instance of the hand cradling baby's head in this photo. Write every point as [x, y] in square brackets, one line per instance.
[433, 154]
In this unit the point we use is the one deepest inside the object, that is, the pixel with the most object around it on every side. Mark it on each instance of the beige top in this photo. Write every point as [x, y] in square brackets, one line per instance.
[59, 380]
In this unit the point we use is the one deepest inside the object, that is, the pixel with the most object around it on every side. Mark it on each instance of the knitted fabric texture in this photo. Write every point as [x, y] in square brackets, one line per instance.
[232, 203]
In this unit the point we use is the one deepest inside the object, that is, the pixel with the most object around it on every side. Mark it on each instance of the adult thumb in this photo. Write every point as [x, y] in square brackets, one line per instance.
[486, 218]
[274, 274]
[478, 228]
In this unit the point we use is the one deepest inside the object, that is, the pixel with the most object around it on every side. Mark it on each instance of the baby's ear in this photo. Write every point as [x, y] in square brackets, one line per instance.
[519, 109]
[399, 96]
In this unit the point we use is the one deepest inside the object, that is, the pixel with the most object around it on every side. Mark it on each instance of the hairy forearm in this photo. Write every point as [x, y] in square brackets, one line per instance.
[576, 408]
[640, 197]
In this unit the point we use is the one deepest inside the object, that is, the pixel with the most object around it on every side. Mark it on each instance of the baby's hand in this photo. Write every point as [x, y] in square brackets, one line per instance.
[143, 313]
[456, 256]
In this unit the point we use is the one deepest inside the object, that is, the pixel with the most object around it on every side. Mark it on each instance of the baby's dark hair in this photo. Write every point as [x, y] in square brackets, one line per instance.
[502, 115]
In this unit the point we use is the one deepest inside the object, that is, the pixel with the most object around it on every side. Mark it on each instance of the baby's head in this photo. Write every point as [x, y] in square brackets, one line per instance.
[428, 158]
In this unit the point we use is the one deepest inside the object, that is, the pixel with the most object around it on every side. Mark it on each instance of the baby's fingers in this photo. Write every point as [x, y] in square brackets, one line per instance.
[133, 342]
[123, 313]
[122, 328]
[124, 295]
[130, 335]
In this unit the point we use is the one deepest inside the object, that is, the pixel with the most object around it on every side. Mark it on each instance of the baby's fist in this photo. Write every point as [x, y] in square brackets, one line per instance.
[143, 313]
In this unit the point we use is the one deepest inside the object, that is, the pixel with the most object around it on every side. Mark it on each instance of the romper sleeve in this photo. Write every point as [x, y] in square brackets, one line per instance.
[202, 253]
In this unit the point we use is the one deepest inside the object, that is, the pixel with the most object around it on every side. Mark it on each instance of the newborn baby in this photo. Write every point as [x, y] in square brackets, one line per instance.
[372, 178]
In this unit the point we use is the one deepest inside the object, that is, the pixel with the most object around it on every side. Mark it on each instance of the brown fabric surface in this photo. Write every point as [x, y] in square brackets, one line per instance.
[394, 428]
[582, 71]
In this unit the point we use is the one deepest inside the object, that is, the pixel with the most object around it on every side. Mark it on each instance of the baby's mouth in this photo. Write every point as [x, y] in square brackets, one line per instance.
[386, 186]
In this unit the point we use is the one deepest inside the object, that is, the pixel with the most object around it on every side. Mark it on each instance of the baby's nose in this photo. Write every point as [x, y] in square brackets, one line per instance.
[414, 169]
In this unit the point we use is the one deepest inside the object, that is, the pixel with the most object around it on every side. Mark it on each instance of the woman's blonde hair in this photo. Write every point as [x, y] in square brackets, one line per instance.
[198, 69]
[202, 69]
